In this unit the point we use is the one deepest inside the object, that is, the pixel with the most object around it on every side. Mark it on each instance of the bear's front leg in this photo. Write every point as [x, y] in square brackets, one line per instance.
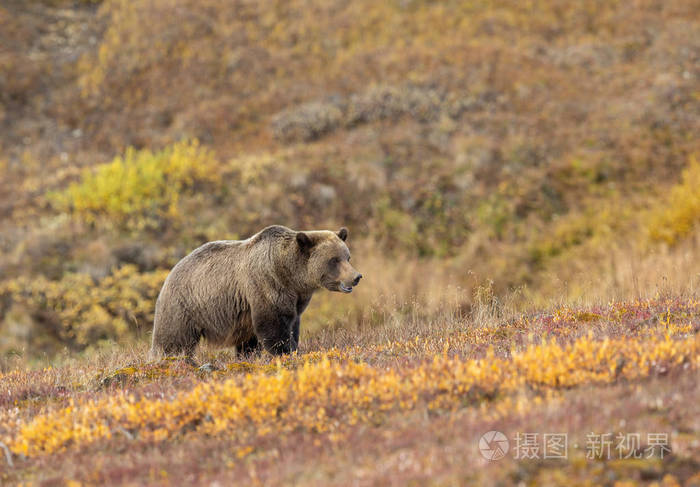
[251, 346]
[275, 331]
[302, 303]
[295, 331]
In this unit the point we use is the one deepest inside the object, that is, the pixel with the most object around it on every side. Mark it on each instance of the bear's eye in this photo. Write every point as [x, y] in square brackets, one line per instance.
[334, 261]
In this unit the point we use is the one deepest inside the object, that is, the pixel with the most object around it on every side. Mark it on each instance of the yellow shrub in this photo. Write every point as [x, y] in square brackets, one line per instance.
[682, 211]
[79, 311]
[328, 391]
[142, 187]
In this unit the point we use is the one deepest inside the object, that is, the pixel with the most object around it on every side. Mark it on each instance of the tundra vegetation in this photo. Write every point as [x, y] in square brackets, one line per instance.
[521, 184]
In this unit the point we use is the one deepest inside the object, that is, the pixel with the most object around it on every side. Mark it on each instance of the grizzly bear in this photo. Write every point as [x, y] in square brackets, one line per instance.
[249, 293]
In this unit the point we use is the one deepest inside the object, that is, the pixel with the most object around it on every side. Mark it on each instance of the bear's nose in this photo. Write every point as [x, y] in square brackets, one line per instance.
[357, 280]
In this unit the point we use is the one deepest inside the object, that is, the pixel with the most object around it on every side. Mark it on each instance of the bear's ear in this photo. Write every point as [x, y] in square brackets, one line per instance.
[343, 234]
[304, 241]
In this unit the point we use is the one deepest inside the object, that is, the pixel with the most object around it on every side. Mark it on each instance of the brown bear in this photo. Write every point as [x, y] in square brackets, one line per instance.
[248, 293]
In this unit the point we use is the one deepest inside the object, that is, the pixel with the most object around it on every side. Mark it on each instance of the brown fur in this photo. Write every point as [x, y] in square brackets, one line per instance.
[247, 293]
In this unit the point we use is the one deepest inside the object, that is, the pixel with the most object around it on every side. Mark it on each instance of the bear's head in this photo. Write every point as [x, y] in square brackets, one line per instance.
[328, 260]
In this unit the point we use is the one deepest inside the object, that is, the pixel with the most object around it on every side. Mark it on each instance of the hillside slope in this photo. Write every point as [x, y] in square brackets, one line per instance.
[541, 151]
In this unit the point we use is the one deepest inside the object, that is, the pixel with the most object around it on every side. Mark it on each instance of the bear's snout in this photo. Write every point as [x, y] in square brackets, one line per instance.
[346, 284]
[356, 281]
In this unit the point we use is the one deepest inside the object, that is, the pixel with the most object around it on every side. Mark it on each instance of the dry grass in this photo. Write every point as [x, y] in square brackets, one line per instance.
[625, 270]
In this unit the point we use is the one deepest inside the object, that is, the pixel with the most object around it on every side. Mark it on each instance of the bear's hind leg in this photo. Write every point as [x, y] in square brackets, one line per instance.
[171, 341]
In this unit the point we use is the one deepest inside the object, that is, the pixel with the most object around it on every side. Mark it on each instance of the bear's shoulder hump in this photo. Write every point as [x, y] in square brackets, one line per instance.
[273, 232]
